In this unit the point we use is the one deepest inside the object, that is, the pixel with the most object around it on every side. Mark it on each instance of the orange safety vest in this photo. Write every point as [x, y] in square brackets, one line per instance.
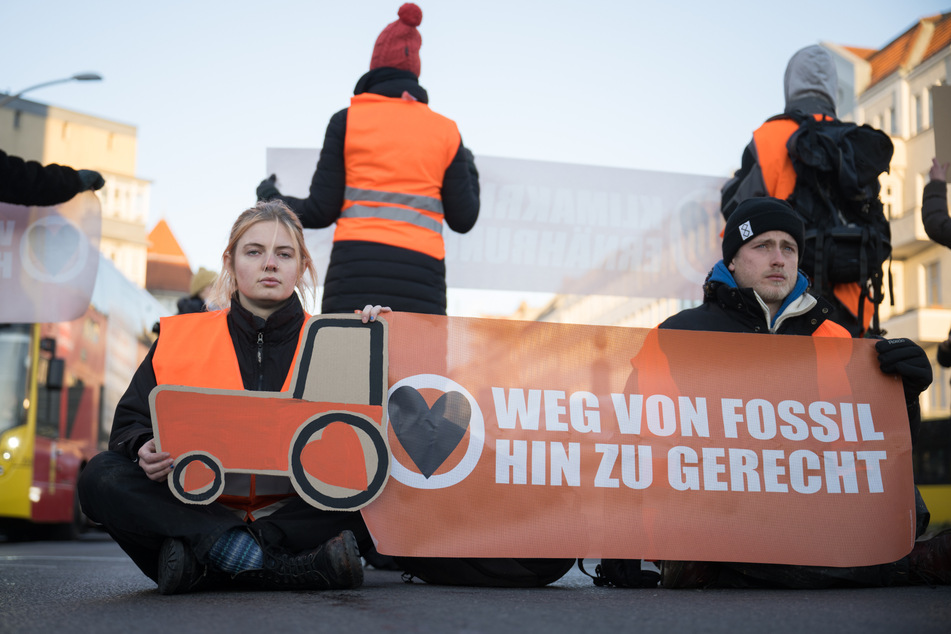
[196, 350]
[779, 176]
[396, 152]
[770, 140]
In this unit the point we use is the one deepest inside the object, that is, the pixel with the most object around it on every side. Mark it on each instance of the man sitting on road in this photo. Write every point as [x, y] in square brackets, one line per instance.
[758, 288]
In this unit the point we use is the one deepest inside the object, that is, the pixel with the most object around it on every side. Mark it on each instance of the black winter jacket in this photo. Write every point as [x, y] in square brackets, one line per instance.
[362, 273]
[30, 183]
[730, 309]
[934, 212]
[132, 426]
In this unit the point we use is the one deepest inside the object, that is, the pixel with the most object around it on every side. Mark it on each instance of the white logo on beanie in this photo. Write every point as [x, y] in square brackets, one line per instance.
[746, 231]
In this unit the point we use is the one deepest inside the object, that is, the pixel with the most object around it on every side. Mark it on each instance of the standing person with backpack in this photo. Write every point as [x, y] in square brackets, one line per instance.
[847, 235]
[391, 173]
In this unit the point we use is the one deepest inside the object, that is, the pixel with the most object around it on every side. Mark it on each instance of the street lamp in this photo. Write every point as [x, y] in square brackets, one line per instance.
[77, 77]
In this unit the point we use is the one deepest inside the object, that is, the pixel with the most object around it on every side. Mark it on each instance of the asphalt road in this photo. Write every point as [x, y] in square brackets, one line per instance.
[91, 586]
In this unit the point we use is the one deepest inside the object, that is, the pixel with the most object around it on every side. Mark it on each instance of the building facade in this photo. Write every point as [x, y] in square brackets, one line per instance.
[48, 134]
[892, 89]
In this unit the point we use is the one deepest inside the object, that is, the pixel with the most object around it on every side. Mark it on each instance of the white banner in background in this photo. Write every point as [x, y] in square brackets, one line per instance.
[565, 228]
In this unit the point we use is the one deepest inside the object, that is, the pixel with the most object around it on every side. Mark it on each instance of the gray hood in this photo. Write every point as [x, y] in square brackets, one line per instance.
[811, 74]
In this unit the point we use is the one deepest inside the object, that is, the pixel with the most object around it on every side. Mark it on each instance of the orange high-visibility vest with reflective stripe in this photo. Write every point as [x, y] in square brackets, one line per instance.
[770, 139]
[396, 152]
[196, 350]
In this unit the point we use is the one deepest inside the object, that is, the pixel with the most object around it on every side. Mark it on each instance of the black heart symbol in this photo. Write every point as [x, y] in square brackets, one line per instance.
[52, 247]
[428, 435]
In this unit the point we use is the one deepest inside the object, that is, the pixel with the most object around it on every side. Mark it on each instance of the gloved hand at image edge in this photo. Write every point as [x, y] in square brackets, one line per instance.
[944, 352]
[90, 180]
[907, 359]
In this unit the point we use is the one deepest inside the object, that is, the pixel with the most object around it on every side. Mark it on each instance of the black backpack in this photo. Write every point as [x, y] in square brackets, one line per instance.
[848, 238]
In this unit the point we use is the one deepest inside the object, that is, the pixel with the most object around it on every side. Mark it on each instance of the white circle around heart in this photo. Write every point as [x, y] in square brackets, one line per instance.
[469, 461]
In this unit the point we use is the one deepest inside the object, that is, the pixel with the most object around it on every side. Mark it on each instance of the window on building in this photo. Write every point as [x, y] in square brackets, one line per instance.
[918, 124]
[939, 388]
[890, 121]
[933, 283]
[887, 201]
[931, 106]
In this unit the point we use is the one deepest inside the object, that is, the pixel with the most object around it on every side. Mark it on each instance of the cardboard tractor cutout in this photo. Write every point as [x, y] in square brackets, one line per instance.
[327, 433]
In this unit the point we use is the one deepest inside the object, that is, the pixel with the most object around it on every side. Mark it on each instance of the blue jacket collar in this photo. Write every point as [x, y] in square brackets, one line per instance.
[722, 274]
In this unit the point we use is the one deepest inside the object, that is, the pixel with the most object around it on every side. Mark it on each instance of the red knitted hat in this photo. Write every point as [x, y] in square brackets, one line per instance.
[398, 44]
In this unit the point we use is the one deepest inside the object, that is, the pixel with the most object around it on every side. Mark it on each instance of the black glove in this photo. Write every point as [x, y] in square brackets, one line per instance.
[90, 180]
[267, 189]
[944, 352]
[470, 164]
[907, 359]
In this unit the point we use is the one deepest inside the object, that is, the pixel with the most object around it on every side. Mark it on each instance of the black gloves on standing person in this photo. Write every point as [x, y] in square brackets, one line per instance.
[267, 189]
[907, 359]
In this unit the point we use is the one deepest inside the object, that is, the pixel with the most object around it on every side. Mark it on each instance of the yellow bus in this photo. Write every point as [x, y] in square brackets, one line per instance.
[59, 386]
[932, 460]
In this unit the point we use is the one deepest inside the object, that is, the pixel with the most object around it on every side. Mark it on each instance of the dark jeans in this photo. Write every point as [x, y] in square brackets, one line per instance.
[140, 514]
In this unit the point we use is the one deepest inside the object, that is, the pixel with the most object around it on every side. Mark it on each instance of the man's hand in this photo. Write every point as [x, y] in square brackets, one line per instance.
[907, 359]
[156, 464]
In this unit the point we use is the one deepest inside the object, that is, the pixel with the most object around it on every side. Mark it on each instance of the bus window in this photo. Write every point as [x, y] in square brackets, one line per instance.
[47, 403]
[14, 370]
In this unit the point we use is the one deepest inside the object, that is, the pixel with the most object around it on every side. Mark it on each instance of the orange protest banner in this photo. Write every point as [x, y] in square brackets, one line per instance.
[526, 439]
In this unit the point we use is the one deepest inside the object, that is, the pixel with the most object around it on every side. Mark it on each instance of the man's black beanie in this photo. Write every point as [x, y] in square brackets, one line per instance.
[754, 216]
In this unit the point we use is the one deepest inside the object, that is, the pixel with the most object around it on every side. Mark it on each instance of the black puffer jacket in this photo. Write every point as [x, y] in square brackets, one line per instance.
[132, 426]
[726, 308]
[31, 183]
[362, 273]
[934, 212]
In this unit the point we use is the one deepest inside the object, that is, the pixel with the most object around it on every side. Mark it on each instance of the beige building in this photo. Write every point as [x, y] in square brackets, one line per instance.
[891, 89]
[49, 134]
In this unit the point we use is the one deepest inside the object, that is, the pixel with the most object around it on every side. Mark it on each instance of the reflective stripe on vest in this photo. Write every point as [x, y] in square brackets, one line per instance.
[779, 175]
[396, 153]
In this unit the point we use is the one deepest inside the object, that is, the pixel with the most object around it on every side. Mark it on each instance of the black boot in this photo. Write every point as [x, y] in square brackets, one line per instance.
[930, 560]
[688, 574]
[335, 565]
[178, 569]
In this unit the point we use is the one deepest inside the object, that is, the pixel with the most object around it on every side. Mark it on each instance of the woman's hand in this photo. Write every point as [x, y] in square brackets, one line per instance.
[370, 313]
[156, 464]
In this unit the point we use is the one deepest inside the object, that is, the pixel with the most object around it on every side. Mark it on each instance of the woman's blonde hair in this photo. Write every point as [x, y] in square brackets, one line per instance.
[265, 211]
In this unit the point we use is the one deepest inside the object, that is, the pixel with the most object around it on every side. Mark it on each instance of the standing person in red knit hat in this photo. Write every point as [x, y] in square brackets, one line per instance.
[391, 173]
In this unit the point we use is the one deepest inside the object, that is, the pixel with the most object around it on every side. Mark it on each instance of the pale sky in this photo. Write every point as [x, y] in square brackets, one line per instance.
[209, 85]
